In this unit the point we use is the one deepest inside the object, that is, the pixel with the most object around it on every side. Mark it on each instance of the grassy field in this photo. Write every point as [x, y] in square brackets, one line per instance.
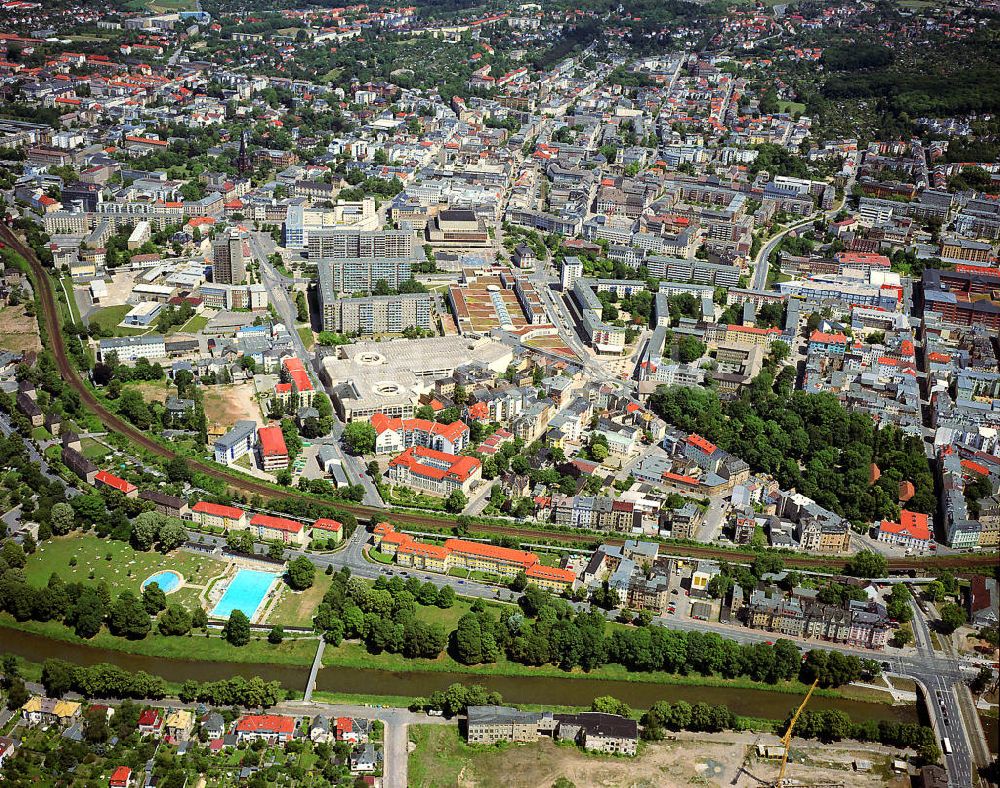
[109, 317]
[192, 326]
[298, 609]
[791, 107]
[307, 336]
[18, 331]
[94, 450]
[115, 562]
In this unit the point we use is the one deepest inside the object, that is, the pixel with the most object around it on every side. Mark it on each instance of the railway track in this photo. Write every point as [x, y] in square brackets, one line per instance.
[366, 514]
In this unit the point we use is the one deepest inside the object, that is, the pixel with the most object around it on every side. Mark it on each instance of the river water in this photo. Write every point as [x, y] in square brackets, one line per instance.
[514, 689]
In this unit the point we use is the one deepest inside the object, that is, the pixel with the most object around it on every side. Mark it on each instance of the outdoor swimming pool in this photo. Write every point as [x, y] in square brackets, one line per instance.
[168, 580]
[245, 592]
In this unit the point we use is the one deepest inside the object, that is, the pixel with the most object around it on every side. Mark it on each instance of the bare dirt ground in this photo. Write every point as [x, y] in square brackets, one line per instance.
[18, 332]
[226, 405]
[151, 390]
[710, 760]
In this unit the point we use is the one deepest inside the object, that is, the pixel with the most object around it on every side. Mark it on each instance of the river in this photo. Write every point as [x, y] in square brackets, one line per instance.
[541, 690]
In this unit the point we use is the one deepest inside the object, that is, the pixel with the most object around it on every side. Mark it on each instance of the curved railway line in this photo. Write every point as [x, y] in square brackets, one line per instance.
[365, 514]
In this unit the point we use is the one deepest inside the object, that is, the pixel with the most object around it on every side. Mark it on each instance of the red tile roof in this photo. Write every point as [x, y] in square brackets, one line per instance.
[113, 481]
[912, 524]
[326, 524]
[272, 441]
[266, 723]
[218, 510]
[276, 523]
[701, 443]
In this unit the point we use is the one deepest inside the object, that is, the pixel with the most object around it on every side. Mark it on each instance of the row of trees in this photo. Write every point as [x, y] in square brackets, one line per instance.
[547, 630]
[110, 681]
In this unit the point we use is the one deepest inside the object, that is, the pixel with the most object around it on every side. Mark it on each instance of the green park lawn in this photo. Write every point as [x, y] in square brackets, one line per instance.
[296, 609]
[125, 570]
[109, 317]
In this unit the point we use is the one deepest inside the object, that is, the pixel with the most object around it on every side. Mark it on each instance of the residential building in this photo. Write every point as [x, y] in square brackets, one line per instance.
[273, 451]
[214, 515]
[279, 529]
[236, 442]
[435, 472]
[913, 531]
[393, 435]
[229, 259]
[271, 728]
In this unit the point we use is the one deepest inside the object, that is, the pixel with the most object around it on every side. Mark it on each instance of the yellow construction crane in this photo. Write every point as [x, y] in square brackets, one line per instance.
[787, 738]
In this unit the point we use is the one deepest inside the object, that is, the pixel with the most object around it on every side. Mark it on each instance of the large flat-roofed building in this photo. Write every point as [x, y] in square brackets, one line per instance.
[360, 275]
[339, 244]
[603, 337]
[375, 314]
[388, 377]
[128, 349]
[458, 227]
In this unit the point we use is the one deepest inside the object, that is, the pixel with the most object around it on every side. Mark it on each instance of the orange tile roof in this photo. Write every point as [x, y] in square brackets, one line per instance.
[326, 524]
[492, 552]
[552, 573]
[913, 524]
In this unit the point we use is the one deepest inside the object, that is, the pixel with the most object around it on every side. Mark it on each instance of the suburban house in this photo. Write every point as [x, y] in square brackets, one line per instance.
[121, 777]
[178, 725]
[49, 711]
[150, 722]
[271, 728]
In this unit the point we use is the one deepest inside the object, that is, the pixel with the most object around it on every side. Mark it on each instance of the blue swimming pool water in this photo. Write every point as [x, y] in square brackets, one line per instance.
[167, 580]
[245, 592]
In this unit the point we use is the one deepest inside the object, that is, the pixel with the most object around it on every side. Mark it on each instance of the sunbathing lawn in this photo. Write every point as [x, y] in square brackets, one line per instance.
[125, 571]
[296, 609]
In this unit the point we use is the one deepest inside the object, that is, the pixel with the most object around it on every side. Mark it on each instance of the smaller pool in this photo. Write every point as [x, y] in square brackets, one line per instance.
[168, 580]
[245, 592]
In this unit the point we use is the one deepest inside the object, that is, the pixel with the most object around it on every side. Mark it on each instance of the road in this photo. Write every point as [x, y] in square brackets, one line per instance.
[763, 261]
[278, 287]
[942, 701]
